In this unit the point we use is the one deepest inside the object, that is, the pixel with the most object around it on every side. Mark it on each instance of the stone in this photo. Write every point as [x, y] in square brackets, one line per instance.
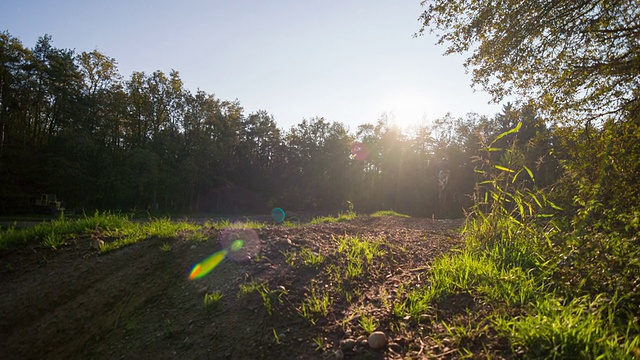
[377, 340]
[347, 344]
[339, 354]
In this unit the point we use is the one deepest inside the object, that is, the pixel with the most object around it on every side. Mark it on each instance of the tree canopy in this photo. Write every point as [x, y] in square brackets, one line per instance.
[576, 59]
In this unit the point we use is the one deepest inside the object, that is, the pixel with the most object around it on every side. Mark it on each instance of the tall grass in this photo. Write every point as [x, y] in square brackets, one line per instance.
[509, 260]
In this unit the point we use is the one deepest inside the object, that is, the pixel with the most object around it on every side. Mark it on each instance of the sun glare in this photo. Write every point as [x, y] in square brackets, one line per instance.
[409, 107]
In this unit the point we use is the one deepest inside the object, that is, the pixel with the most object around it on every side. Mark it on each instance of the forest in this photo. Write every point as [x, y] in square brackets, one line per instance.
[73, 126]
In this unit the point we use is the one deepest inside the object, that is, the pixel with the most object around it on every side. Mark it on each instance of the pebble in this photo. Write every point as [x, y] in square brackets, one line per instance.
[347, 344]
[377, 340]
[339, 354]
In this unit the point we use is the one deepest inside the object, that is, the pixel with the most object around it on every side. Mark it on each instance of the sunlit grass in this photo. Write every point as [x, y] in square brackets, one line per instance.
[342, 217]
[119, 228]
[227, 224]
[389, 213]
[580, 328]
[55, 233]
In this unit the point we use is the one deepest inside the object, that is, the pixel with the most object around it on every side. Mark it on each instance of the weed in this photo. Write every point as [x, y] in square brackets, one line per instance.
[165, 246]
[53, 240]
[268, 296]
[399, 309]
[368, 323]
[275, 336]
[309, 258]
[314, 305]
[319, 341]
[289, 257]
[212, 301]
[354, 270]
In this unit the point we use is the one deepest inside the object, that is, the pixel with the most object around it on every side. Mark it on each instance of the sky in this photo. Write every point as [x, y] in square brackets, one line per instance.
[345, 60]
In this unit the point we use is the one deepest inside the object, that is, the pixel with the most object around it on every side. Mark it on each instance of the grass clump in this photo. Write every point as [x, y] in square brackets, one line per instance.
[314, 305]
[212, 300]
[382, 213]
[342, 217]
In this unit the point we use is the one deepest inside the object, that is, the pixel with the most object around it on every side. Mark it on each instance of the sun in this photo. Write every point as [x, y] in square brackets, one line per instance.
[408, 107]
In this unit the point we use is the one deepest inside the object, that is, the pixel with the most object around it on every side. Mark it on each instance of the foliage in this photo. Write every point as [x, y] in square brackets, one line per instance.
[572, 58]
[516, 261]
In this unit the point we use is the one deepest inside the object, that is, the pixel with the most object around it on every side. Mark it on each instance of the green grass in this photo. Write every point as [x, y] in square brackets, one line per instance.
[314, 305]
[342, 217]
[119, 228]
[269, 297]
[212, 301]
[389, 213]
[310, 258]
[245, 224]
[580, 328]
[368, 323]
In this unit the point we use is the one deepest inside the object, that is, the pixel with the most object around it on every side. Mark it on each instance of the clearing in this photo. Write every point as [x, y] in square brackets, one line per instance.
[292, 292]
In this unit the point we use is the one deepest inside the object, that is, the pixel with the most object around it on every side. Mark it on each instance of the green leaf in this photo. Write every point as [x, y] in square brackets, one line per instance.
[502, 168]
[514, 130]
[530, 173]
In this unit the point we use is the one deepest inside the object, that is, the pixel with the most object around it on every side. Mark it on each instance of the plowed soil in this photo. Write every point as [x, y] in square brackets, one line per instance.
[138, 303]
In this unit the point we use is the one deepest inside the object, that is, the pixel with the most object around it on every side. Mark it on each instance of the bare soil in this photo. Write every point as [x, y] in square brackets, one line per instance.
[138, 303]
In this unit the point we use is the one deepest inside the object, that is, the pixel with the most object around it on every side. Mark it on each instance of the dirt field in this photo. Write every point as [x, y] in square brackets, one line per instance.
[138, 303]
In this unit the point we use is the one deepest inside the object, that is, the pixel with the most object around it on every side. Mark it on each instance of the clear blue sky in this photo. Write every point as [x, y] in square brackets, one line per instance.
[348, 61]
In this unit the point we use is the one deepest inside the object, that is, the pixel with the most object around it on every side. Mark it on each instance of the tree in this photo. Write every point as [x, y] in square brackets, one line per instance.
[579, 59]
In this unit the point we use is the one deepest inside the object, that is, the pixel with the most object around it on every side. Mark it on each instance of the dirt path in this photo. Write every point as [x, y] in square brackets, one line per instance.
[137, 302]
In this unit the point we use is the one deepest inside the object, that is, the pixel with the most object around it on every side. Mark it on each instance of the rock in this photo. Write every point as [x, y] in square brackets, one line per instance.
[339, 354]
[377, 340]
[347, 344]
[361, 339]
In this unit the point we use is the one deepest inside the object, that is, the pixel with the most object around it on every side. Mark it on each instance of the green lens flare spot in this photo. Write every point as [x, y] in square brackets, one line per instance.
[237, 245]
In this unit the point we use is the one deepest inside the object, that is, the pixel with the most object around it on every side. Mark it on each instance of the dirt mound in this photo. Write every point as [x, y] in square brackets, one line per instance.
[137, 302]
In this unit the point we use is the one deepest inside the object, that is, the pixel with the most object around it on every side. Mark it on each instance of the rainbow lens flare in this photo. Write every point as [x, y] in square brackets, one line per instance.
[203, 268]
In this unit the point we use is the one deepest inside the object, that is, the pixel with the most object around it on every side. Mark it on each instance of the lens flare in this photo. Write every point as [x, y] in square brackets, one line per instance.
[278, 214]
[208, 264]
[237, 245]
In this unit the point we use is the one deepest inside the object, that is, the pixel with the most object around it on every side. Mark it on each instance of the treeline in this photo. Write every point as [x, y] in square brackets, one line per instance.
[72, 125]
